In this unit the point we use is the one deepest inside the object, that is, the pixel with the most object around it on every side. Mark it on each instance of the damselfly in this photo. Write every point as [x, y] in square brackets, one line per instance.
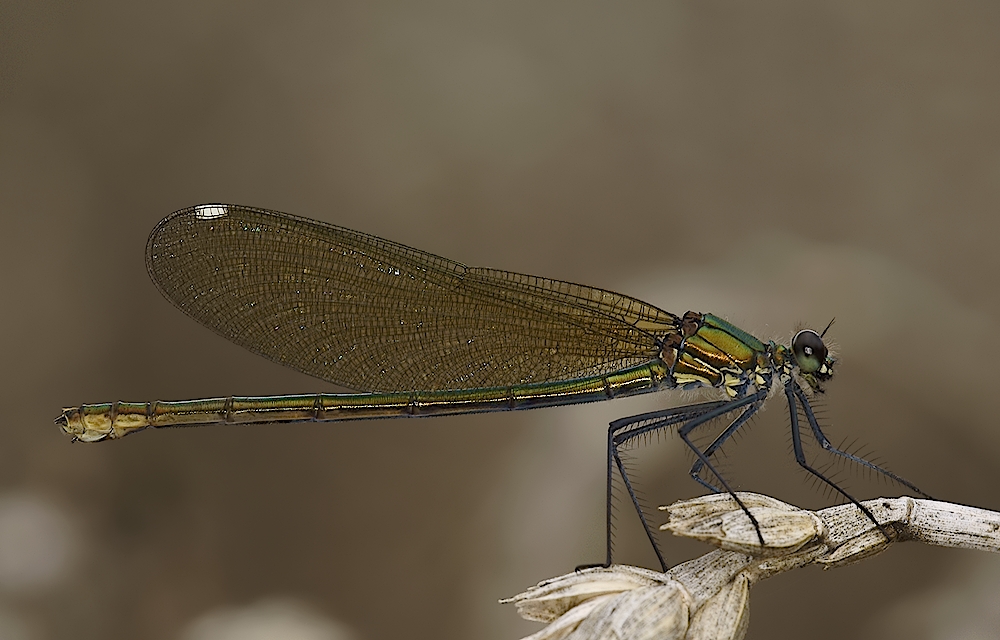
[422, 336]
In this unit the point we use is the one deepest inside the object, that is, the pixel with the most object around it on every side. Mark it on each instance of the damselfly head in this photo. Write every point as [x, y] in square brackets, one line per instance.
[812, 357]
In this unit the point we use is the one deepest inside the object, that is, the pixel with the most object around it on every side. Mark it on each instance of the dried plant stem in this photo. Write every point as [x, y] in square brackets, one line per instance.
[708, 598]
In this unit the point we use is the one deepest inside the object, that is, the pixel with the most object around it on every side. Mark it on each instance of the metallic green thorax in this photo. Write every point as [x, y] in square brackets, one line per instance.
[712, 352]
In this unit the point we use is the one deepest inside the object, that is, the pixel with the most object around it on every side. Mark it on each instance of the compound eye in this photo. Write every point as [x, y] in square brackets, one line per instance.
[810, 352]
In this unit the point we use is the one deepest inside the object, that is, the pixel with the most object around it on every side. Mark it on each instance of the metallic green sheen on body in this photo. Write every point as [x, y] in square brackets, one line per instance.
[718, 354]
[748, 340]
[94, 422]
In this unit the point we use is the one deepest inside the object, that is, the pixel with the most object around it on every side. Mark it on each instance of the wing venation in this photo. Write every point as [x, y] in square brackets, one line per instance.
[374, 315]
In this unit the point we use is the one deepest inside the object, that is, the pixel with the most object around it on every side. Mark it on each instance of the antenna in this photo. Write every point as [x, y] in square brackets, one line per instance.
[827, 328]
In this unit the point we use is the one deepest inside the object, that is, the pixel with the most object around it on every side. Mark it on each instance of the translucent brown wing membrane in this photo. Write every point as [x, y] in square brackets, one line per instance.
[374, 315]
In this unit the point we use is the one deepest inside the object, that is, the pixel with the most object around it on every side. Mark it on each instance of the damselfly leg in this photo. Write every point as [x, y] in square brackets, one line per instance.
[625, 430]
[825, 444]
[794, 393]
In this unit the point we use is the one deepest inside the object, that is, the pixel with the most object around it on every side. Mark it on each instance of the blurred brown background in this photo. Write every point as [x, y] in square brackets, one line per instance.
[776, 163]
